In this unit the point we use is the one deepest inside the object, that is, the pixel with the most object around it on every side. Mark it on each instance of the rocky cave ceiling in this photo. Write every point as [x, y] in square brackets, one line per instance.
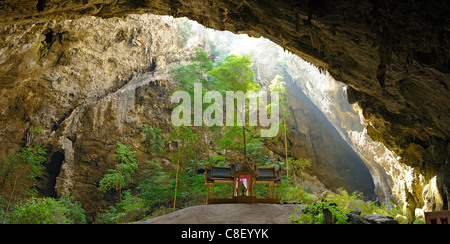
[394, 56]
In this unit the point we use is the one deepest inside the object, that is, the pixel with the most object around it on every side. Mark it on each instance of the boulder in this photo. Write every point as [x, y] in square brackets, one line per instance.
[357, 219]
[380, 219]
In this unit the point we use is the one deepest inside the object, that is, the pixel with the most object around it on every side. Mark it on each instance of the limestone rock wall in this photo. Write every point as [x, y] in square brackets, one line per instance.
[81, 81]
[49, 68]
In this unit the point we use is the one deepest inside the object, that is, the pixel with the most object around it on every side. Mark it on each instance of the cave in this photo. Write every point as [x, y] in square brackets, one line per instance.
[393, 58]
[53, 170]
[41, 5]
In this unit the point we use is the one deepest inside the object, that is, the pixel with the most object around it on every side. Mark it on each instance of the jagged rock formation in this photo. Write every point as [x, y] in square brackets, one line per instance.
[394, 57]
[89, 135]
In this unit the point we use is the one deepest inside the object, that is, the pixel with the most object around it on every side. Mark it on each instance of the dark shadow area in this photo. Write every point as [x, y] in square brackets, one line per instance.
[53, 170]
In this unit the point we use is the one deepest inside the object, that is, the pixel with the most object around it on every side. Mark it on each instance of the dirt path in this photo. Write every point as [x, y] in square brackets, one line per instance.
[229, 214]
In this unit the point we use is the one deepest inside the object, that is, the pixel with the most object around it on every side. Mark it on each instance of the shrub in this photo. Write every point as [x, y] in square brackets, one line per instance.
[159, 190]
[355, 201]
[321, 213]
[335, 207]
[349, 202]
[154, 198]
[295, 194]
[130, 209]
[48, 211]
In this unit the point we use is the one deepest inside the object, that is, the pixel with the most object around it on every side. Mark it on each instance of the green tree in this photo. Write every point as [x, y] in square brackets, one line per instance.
[235, 74]
[229, 140]
[18, 173]
[196, 71]
[131, 208]
[298, 165]
[119, 177]
[185, 140]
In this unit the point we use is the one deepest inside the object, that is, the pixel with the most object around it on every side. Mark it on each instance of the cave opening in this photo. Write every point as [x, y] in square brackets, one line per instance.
[53, 169]
[319, 110]
[40, 6]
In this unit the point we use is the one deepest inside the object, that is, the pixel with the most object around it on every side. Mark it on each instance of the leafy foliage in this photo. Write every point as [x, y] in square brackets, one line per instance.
[298, 165]
[18, 173]
[194, 72]
[355, 200]
[318, 210]
[48, 211]
[321, 213]
[21, 169]
[154, 139]
[291, 193]
[234, 74]
[131, 208]
[185, 140]
[119, 177]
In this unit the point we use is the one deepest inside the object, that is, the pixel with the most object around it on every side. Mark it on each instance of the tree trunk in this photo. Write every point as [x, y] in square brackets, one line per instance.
[12, 192]
[226, 153]
[195, 159]
[285, 148]
[295, 176]
[176, 179]
[245, 144]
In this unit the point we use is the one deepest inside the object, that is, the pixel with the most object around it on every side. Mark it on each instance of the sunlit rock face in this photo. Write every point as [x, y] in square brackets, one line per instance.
[330, 97]
[393, 55]
[393, 180]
